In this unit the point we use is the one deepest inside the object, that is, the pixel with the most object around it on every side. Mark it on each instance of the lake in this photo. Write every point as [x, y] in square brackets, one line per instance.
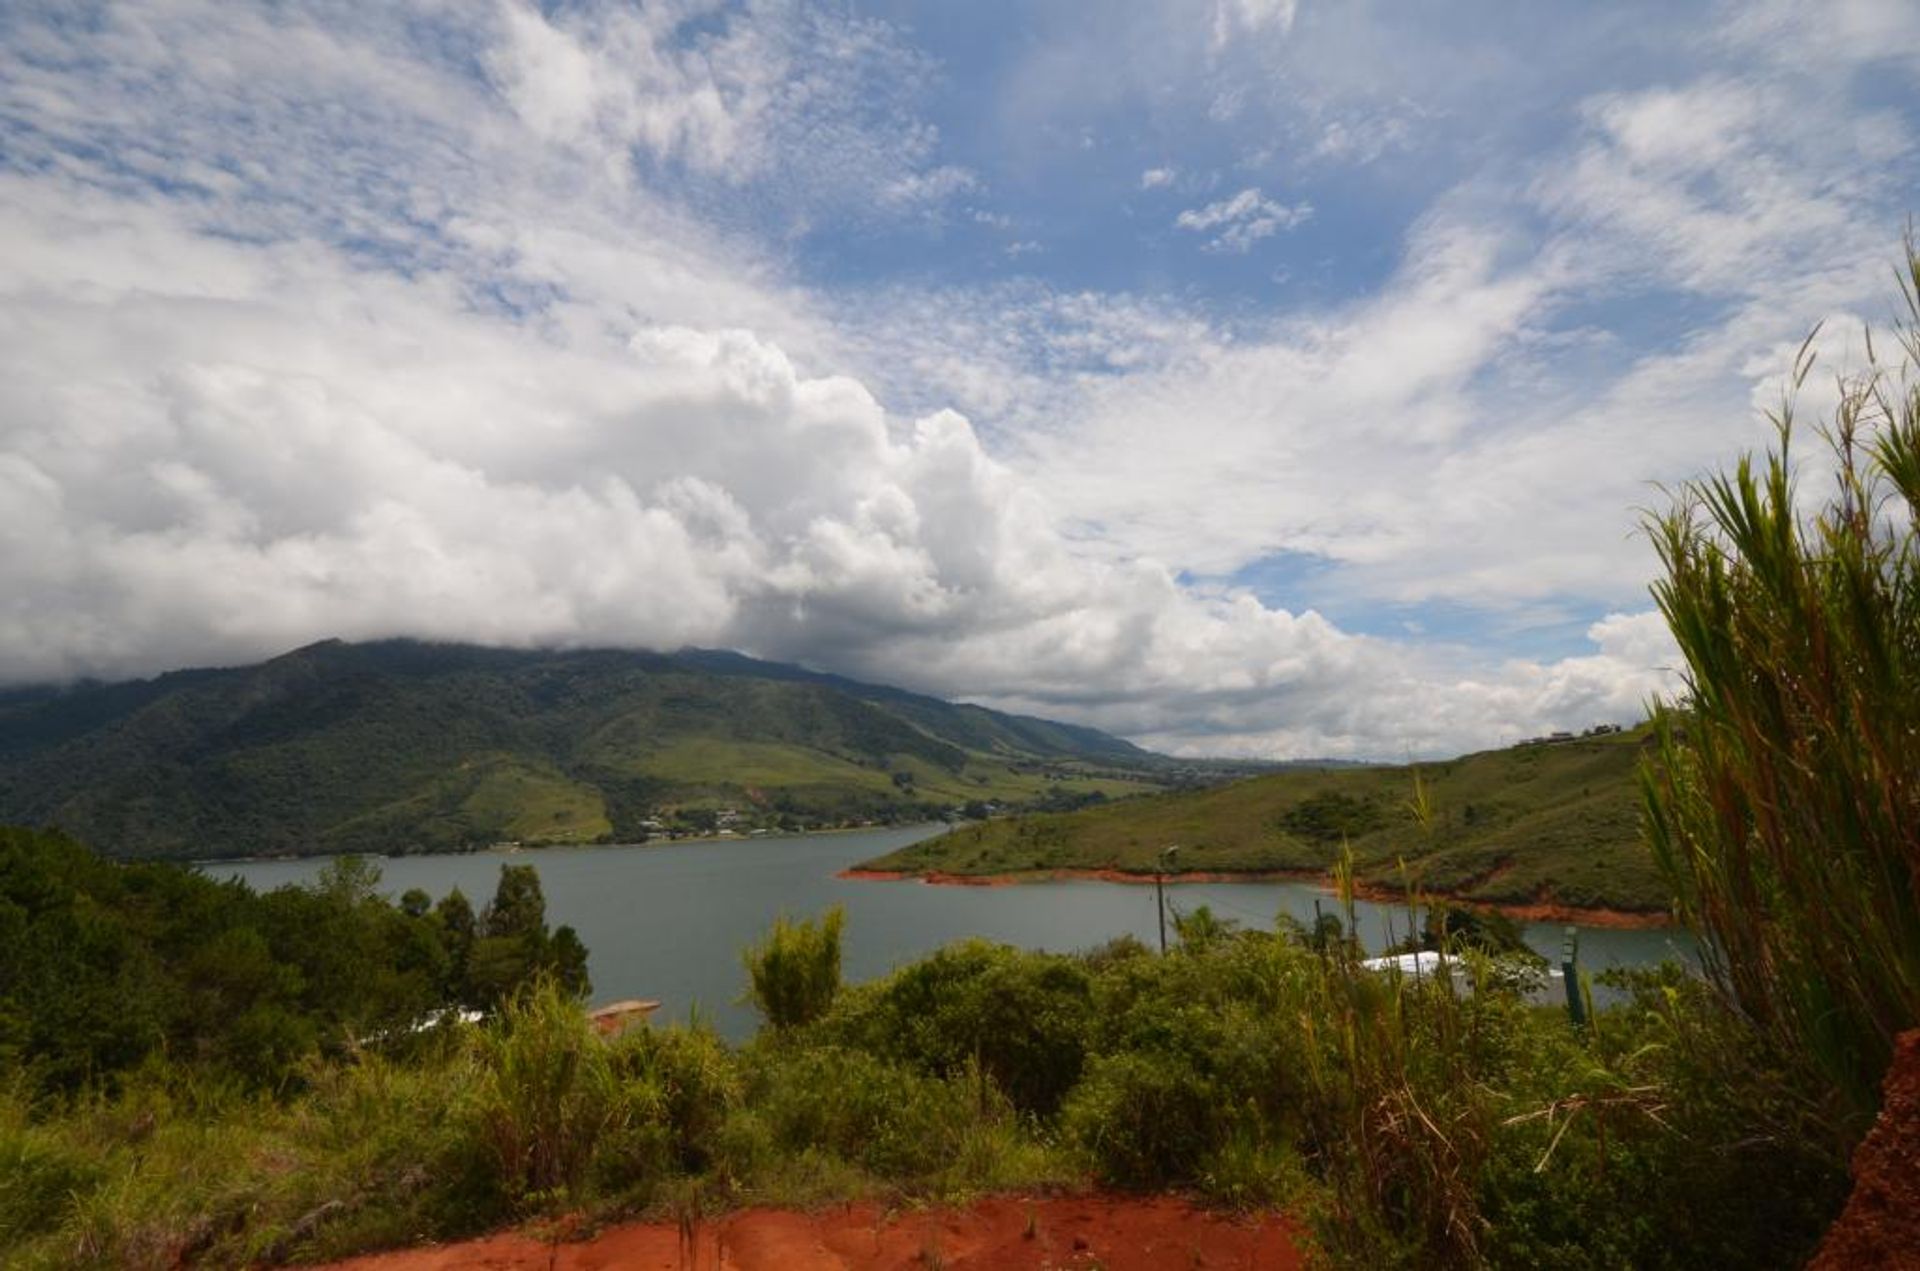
[668, 921]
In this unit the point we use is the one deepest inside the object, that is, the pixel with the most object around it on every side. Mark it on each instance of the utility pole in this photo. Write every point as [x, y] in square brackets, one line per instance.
[1160, 890]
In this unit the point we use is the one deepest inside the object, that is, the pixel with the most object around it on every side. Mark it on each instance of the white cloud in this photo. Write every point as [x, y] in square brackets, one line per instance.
[309, 331]
[198, 475]
[1234, 17]
[1154, 178]
[1243, 220]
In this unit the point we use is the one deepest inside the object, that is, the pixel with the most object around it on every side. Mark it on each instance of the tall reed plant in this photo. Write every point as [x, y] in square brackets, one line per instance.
[1782, 800]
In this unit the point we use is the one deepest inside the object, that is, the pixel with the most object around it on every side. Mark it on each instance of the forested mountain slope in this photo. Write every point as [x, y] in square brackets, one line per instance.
[400, 745]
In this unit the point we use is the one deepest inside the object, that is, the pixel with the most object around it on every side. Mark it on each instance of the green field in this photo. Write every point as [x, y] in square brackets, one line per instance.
[1541, 823]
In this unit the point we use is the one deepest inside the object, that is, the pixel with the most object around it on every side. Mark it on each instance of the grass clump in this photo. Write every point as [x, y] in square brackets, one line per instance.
[1784, 804]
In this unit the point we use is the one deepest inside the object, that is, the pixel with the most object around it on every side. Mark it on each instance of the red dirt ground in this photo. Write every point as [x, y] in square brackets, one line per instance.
[1002, 1233]
[1880, 1228]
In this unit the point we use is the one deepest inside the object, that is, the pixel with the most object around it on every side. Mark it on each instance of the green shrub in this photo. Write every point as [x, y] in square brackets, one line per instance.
[1144, 1121]
[681, 1084]
[543, 1092]
[794, 973]
[895, 1123]
[40, 1180]
[1023, 1018]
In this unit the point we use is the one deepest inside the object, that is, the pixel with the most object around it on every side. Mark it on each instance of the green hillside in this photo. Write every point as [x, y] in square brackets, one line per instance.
[1552, 822]
[397, 746]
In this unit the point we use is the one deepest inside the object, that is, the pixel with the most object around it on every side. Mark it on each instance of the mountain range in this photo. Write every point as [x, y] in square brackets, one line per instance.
[400, 745]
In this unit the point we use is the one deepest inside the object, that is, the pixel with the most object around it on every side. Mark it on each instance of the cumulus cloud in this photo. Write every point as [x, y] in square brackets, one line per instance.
[352, 331]
[1238, 223]
[1154, 178]
[216, 450]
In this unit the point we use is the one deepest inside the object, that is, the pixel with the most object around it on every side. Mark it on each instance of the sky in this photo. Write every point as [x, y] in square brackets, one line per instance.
[1274, 378]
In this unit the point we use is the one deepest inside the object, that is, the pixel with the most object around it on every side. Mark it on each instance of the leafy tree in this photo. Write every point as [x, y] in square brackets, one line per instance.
[106, 965]
[1456, 927]
[458, 930]
[567, 959]
[349, 879]
[1202, 929]
[794, 973]
[519, 907]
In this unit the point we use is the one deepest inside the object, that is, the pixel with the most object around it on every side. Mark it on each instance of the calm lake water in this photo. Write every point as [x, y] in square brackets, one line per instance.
[669, 921]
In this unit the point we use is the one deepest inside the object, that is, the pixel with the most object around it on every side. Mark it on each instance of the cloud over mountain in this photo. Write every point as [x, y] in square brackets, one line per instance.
[526, 328]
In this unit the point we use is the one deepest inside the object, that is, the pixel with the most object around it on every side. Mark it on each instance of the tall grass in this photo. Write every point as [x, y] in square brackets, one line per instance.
[1783, 801]
[542, 1094]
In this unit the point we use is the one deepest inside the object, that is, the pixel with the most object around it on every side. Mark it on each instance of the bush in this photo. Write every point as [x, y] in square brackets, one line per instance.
[794, 973]
[1144, 1121]
[892, 1122]
[680, 1085]
[543, 1093]
[1023, 1018]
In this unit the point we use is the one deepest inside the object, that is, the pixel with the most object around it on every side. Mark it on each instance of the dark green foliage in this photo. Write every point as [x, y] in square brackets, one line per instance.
[1145, 1120]
[688, 1083]
[1021, 1019]
[513, 946]
[1459, 928]
[547, 1093]
[1414, 1127]
[794, 973]
[519, 908]
[1201, 929]
[110, 965]
[882, 1117]
[1332, 815]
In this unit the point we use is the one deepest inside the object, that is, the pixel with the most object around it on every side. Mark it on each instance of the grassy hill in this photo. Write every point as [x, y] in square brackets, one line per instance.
[1538, 823]
[399, 745]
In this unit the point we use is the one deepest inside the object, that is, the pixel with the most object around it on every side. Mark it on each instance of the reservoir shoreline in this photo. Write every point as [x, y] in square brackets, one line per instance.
[1533, 911]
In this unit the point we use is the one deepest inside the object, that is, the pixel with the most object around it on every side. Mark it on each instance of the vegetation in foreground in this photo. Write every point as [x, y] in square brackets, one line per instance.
[1412, 1125]
[1703, 1123]
[1785, 802]
[1544, 822]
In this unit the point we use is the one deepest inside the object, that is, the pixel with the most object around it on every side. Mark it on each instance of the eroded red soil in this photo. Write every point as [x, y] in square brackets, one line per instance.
[1880, 1228]
[1002, 1233]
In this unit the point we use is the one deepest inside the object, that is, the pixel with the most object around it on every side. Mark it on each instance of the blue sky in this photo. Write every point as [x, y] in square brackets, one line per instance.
[1273, 377]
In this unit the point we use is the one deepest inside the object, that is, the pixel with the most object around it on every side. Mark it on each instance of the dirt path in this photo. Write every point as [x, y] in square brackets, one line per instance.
[1002, 1233]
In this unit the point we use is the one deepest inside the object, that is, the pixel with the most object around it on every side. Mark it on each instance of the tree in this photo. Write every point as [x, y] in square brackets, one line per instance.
[567, 959]
[1202, 929]
[458, 931]
[794, 973]
[519, 906]
[349, 879]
